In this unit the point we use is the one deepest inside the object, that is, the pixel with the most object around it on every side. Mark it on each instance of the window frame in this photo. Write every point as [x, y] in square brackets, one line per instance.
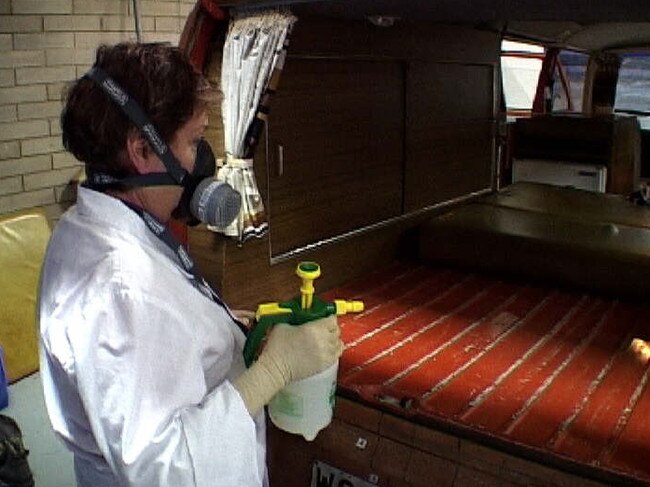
[512, 113]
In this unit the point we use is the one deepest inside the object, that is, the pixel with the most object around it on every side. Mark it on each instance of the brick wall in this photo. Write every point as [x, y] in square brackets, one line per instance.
[43, 45]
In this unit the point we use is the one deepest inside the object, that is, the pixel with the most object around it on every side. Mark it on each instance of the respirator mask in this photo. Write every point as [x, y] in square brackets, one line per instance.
[204, 198]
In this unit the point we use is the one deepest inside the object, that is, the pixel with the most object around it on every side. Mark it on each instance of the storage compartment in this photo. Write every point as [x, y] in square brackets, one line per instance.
[328, 116]
[607, 141]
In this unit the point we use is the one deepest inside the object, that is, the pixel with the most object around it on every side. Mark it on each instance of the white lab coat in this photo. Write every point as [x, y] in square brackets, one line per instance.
[137, 363]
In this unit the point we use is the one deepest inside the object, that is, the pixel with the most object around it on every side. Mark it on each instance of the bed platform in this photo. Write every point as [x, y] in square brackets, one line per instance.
[553, 372]
[470, 366]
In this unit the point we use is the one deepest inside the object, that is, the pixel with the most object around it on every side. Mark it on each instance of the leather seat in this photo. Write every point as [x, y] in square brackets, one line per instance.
[541, 233]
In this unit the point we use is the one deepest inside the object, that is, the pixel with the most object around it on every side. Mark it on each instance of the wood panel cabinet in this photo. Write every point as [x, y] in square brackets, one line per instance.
[449, 132]
[368, 127]
[335, 149]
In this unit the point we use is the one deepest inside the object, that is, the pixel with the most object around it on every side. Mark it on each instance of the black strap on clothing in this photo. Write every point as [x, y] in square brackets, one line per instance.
[133, 111]
[101, 181]
[165, 235]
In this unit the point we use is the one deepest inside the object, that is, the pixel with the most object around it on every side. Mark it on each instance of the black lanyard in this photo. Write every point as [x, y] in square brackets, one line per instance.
[165, 235]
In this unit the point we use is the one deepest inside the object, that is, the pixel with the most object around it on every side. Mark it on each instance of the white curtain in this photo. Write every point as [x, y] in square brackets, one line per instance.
[253, 51]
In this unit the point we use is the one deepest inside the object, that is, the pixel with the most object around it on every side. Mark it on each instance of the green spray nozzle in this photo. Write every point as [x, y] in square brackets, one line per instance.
[295, 312]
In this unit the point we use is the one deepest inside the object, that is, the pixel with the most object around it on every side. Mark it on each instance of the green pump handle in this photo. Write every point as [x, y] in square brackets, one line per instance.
[289, 312]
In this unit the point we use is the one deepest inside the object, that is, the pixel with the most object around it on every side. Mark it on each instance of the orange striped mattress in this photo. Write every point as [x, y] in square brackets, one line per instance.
[555, 374]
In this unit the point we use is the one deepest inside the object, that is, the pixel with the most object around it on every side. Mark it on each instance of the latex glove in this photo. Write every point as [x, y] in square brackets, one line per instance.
[291, 353]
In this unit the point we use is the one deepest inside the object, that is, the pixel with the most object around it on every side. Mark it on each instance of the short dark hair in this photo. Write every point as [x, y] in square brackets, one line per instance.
[157, 76]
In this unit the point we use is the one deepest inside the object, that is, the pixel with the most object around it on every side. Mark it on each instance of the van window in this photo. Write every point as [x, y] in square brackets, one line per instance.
[520, 66]
[633, 87]
[569, 81]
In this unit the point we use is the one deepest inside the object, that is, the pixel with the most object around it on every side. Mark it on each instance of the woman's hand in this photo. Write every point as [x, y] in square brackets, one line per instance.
[291, 353]
[300, 351]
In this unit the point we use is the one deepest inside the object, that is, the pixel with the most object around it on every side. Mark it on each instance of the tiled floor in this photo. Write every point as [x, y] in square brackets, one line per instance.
[558, 372]
[48, 458]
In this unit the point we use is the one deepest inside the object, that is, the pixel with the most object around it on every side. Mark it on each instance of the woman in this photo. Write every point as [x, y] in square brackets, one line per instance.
[142, 367]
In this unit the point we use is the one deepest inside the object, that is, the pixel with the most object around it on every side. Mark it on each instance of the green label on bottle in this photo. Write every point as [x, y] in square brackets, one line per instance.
[287, 403]
[333, 395]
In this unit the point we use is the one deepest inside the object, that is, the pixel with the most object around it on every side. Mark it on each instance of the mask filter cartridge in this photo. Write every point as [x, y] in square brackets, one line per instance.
[215, 202]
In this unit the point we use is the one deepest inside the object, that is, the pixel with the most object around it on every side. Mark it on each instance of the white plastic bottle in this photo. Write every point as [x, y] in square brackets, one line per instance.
[306, 406]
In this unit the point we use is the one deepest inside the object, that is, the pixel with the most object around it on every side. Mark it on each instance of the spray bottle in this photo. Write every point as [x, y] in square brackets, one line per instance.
[303, 407]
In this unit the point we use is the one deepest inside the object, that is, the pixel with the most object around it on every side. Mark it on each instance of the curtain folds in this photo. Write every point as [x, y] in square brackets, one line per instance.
[253, 57]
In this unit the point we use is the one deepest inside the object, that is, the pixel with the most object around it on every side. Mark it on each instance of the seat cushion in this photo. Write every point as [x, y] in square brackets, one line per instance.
[23, 239]
[565, 244]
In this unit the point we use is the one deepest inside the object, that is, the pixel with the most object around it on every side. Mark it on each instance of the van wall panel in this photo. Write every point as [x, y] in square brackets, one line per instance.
[375, 123]
[448, 161]
[449, 132]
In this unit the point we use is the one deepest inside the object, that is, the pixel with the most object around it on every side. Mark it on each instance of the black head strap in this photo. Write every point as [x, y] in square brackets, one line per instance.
[133, 111]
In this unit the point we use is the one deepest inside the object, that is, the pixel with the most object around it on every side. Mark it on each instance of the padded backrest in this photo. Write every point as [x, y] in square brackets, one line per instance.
[542, 233]
[23, 239]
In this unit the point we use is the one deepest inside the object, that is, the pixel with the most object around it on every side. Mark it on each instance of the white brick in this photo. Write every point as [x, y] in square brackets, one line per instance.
[185, 9]
[14, 59]
[42, 145]
[44, 40]
[27, 111]
[28, 76]
[8, 113]
[57, 57]
[20, 130]
[9, 150]
[64, 159]
[19, 94]
[5, 42]
[21, 23]
[7, 78]
[93, 39]
[56, 91]
[55, 126]
[157, 7]
[97, 7]
[51, 178]
[126, 23]
[170, 37]
[11, 185]
[168, 24]
[5, 7]
[69, 23]
[42, 6]
[26, 200]
[25, 165]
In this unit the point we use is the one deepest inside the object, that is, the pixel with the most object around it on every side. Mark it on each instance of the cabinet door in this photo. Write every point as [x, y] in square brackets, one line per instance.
[335, 149]
[450, 132]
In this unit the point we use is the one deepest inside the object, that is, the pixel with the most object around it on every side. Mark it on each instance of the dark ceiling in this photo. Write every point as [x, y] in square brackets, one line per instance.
[473, 10]
[582, 24]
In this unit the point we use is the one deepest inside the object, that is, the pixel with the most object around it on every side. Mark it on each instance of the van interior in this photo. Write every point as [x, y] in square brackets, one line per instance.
[476, 173]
